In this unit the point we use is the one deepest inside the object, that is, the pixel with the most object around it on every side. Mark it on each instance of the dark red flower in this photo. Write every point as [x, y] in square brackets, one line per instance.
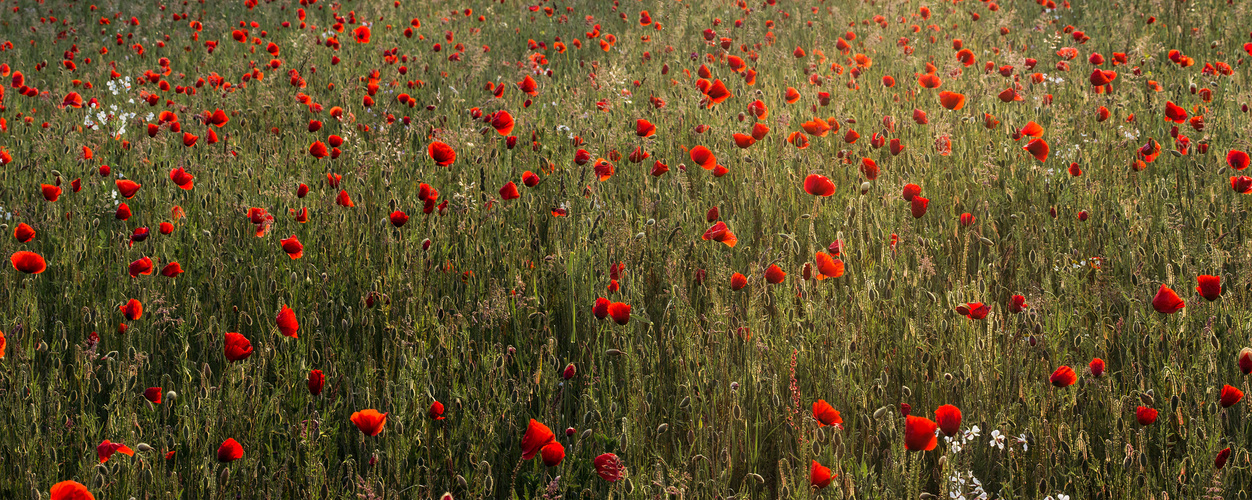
[919, 433]
[229, 451]
[1146, 416]
[237, 347]
[1230, 396]
[316, 381]
[153, 394]
[287, 324]
[1097, 367]
[1210, 287]
[948, 418]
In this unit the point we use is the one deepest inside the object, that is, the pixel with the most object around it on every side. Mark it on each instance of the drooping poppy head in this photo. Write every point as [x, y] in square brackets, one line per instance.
[369, 421]
[1224, 455]
[1097, 367]
[1245, 360]
[292, 247]
[620, 312]
[537, 436]
[287, 324]
[919, 433]
[820, 476]
[609, 467]
[1017, 304]
[441, 153]
[818, 185]
[552, 454]
[1037, 148]
[1166, 301]
[70, 490]
[229, 451]
[28, 262]
[509, 192]
[974, 310]
[1230, 396]
[918, 206]
[1063, 377]
[826, 414]
[237, 347]
[1210, 287]
[719, 232]
[948, 418]
[1146, 416]
[774, 274]
[316, 381]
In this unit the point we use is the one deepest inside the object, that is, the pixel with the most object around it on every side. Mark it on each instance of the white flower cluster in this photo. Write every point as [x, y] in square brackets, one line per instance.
[959, 483]
[998, 440]
[957, 443]
[116, 87]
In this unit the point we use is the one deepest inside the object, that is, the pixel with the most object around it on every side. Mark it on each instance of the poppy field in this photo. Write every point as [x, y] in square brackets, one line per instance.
[904, 249]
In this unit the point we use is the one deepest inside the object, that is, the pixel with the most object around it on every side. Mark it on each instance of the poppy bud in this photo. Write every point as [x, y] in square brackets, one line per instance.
[905, 409]
[569, 371]
[1245, 360]
[569, 432]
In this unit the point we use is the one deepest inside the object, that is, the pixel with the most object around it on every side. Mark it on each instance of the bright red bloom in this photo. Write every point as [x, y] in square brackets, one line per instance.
[948, 418]
[1210, 287]
[1063, 377]
[502, 121]
[919, 433]
[132, 310]
[537, 436]
[818, 185]
[140, 267]
[106, 449]
[1037, 148]
[1237, 160]
[1230, 396]
[318, 150]
[601, 308]
[509, 192]
[738, 281]
[229, 451]
[441, 153]
[127, 187]
[1017, 304]
[974, 310]
[293, 247]
[1166, 301]
[1146, 416]
[820, 476]
[182, 179]
[918, 206]
[24, 233]
[719, 232]
[153, 394]
[361, 34]
[774, 274]
[826, 415]
[435, 411]
[343, 199]
[1097, 367]
[287, 324]
[609, 467]
[237, 347]
[644, 128]
[316, 381]
[50, 192]
[70, 490]
[370, 422]
[620, 312]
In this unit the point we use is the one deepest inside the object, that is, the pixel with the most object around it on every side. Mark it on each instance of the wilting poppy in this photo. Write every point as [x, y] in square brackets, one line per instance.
[70, 490]
[1097, 367]
[106, 449]
[370, 422]
[132, 310]
[1166, 301]
[435, 411]
[237, 347]
[826, 415]
[292, 247]
[919, 433]
[609, 467]
[441, 153]
[818, 185]
[620, 312]
[1037, 148]
[1210, 287]
[948, 418]
[1145, 416]
[537, 436]
[774, 274]
[1063, 377]
[229, 451]
[719, 232]
[1017, 304]
[820, 476]
[316, 381]
[918, 206]
[1222, 456]
[287, 324]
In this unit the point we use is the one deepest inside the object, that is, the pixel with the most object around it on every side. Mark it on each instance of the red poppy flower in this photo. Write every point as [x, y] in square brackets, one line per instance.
[316, 381]
[818, 185]
[601, 308]
[1223, 455]
[398, 218]
[287, 324]
[644, 128]
[869, 168]
[153, 394]
[441, 153]
[106, 449]
[703, 157]
[127, 187]
[237, 347]
[1166, 301]
[229, 451]
[948, 418]
[1146, 416]
[361, 34]
[318, 150]
[911, 191]
[293, 247]
[1017, 304]
[343, 199]
[1174, 112]
[24, 233]
[659, 169]
[719, 232]
[132, 309]
[952, 100]
[918, 206]
[171, 270]
[738, 281]
[50, 192]
[537, 436]
[826, 414]
[509, 191]
[929, 81]
[182, 179]
[1037, 148]
[620, 312]
[1237, 160]
[1210, 287]
[1230, 396]
[609, 467]
[552, 454]
[828, 266]
[919, 433]
[774, 274]
[1097, 367]
[529, 179]
[1063, 377]
[70, 490]
[717, 92]
[435, 411]
[974, 310]
[1241, 184]
[370, 422]
[1245, 360]
[820, 476]
[502, 121]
